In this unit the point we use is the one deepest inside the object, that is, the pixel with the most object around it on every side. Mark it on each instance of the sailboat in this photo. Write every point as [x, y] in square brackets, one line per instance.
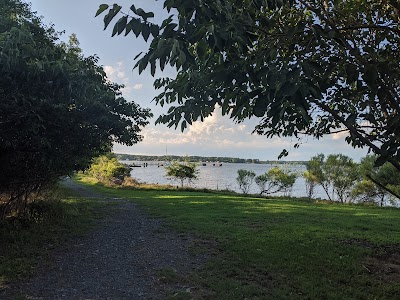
[166, 162]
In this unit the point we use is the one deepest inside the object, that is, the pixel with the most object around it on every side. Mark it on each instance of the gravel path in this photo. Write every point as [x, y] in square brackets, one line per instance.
[117, 260]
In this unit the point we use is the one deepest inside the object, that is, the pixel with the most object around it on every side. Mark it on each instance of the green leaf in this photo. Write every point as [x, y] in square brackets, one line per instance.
[145, 31]
[140, 12]
[284, 153]
[163, 60]
[182, 57]
[149, 15]
[260, 106]
[316, 66]
[111, 14]
[351, 72]
[351, 119]
[380, 161]
[183, 126]
[120, 26]
[160, 45]
[169, 28]
[138, 55]
[101, 9]
[155, 30]
[201, 49]
[136, 26]
[153, 68]
[370, 74]
[168, 4]
[143, 64]
[128, 28]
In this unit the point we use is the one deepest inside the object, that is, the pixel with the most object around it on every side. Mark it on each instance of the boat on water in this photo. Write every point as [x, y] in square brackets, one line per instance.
[134, 166]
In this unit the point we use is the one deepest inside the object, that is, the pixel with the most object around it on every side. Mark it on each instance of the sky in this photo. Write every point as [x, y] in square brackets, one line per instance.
[216, 136]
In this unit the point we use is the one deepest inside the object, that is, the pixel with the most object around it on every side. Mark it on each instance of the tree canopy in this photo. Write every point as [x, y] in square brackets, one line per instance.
[57, 107]
[182, 171]
[301, 67]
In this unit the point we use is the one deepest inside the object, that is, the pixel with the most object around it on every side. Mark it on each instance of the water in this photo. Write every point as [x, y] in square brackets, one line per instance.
[219, 177]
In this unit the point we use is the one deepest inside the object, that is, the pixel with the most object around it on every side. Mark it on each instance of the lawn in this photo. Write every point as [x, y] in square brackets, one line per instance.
[283, 249]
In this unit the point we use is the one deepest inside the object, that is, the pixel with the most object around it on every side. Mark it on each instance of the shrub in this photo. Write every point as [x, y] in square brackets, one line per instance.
[106, 168]
[182, 171]
[245, 180]
[276, 180]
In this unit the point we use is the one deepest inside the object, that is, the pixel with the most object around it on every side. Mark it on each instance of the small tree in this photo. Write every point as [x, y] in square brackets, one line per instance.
[182, 171]
[343, 173]
[367, 190]
[337, 175]
[107, 167]
[276, 180]
[245, 179]
[311, 183]
[316, 172]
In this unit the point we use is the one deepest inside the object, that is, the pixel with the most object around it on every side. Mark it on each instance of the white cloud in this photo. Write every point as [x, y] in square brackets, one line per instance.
[109, 71]
[215, 133]
[340, 135]
[220, 136]
[117, 74]
[138, 86]
[121, 75]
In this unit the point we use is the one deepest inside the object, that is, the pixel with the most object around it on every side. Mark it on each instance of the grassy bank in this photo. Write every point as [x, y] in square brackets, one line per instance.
[25, 244]
[281, 249]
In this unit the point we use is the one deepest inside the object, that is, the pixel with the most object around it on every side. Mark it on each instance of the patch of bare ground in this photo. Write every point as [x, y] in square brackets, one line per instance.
[384, 261]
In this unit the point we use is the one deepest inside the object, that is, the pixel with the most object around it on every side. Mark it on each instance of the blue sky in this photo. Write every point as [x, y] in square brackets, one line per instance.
[217, 136]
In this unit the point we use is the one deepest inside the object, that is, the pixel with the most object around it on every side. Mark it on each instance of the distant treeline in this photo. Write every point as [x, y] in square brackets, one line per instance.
[202, 159]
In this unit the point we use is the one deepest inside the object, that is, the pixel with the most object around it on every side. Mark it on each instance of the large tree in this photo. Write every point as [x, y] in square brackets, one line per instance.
[58, 110]
[300, 66]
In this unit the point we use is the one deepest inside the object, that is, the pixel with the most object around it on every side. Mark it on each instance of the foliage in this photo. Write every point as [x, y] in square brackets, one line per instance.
[336, 175]
[182, 171]
[311, 183]
[278, 249]
[276, 180]
[57, 108]
[107, 167]
[388, 176]
[316, 174]
[301, 66]
[245, 180]
[342, 173]
[220, 159]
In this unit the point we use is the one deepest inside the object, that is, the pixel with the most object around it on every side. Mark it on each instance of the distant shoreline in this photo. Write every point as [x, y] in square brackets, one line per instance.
[122, 156]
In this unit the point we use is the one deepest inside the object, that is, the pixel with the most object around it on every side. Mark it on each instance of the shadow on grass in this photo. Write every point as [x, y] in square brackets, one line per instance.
[28, 243]
[279, 248]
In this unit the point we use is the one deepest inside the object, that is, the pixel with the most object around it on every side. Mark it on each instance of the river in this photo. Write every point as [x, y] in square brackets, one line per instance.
[218, 177]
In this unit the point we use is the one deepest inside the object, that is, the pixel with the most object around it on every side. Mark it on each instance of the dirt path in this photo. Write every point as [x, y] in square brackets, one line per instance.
[117, 260]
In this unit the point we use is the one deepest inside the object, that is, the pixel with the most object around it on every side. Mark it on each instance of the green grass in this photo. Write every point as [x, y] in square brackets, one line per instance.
[26, 244]
[284, 249]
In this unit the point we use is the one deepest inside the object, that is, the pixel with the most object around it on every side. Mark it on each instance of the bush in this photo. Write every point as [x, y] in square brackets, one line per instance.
[245, 180]
[107, 169]
[276, 180]
[337, 175]
[182, 171]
